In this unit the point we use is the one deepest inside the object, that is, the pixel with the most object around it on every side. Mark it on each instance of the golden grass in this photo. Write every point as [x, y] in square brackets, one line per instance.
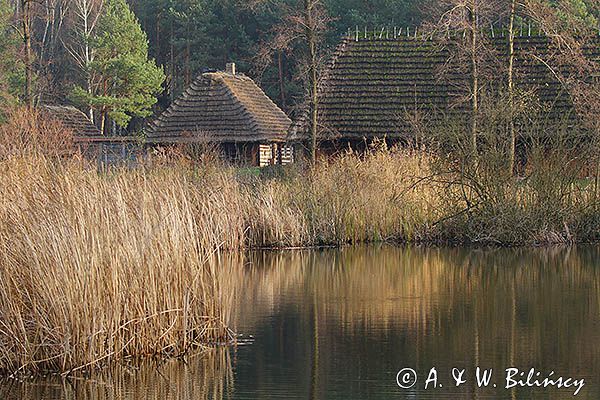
[104, 267]
[100, 268]
[96, 268]
[351, 199]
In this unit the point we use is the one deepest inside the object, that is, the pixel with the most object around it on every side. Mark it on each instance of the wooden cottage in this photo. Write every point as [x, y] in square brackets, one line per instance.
[105, 150]
[381, 86]
[73, 120]
[229, 110]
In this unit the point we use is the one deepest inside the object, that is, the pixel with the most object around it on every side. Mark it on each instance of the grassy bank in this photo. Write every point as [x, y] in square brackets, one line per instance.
[101, 267]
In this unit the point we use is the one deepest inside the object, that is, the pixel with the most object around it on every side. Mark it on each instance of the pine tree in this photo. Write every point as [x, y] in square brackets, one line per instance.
[125, 82]
[575, 12]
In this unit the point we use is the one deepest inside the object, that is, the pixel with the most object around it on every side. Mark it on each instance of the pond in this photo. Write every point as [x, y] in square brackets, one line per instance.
[342, 324]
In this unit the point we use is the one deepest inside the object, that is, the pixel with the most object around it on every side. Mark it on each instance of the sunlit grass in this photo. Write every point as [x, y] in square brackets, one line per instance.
[101, 267]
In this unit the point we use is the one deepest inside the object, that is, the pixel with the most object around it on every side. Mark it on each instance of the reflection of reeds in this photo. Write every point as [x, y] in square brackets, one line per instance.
[380, 286]
[207, 376]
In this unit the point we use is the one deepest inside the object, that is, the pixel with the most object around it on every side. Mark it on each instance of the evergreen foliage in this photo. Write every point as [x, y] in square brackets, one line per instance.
[12, 75]
[126, 81]
[578, 11]
[189, 36]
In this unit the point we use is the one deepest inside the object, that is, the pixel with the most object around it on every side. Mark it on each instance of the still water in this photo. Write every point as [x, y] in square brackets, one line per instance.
[341, 324]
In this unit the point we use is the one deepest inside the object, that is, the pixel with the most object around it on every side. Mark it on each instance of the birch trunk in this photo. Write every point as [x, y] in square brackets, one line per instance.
[87, 13]
[313, 77]
[511, 86]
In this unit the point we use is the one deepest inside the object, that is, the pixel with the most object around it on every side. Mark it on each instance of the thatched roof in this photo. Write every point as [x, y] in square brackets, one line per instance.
[221, 107]
[378, 87]
[73, 120]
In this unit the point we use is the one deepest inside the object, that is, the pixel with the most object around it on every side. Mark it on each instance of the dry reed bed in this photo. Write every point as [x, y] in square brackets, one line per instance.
[99, 268]
[348, 200]
[103, 267]
[96, 268]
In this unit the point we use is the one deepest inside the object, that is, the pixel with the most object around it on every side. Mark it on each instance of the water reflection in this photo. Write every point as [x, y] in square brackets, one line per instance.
[205, 376]
[374, 311]
[339, 324]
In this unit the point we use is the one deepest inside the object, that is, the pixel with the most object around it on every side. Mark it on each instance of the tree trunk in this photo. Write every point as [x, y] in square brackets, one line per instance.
[90, 93]
[188, 57]
[474, 77]
[158, 42]
[87, 54]
[87, 16]
[28, 58]
[313, 76]
[172, 62]
[281, 79]
[597, 182]
[511, 87]
[103, 121]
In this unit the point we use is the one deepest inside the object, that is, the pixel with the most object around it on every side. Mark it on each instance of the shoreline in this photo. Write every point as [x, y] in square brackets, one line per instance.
[98, 267]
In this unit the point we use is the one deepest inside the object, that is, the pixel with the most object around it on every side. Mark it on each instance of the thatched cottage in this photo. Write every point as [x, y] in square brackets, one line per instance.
[384, 85]
[73, 120]
[106, 150]
[229, 110]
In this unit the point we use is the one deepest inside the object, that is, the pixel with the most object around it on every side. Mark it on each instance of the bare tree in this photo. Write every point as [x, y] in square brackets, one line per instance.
[49, 20]
[311, 27]
[40, 24]
[24, 14]
[570, 60]
[473, 12]
[511, 84]
[461, 26]
[85, 15]
[303, 25]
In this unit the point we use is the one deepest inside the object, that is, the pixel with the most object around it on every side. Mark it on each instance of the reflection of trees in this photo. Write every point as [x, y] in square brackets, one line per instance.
[380, 287]
[490, 307]
[363, 313]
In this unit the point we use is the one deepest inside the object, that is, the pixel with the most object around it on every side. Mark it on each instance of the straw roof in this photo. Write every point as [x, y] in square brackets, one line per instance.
[221, 107]
[73, 120]
[378, 87]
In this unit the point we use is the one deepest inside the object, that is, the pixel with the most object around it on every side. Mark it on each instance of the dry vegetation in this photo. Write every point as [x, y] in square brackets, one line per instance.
[97, 268]
[102, 268]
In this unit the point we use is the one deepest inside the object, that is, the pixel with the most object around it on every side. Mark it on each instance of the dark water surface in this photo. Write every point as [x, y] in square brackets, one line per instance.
[340, 324]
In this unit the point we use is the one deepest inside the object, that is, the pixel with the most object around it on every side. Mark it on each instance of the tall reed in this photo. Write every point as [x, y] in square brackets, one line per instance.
[96, 269]
[100, 267]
